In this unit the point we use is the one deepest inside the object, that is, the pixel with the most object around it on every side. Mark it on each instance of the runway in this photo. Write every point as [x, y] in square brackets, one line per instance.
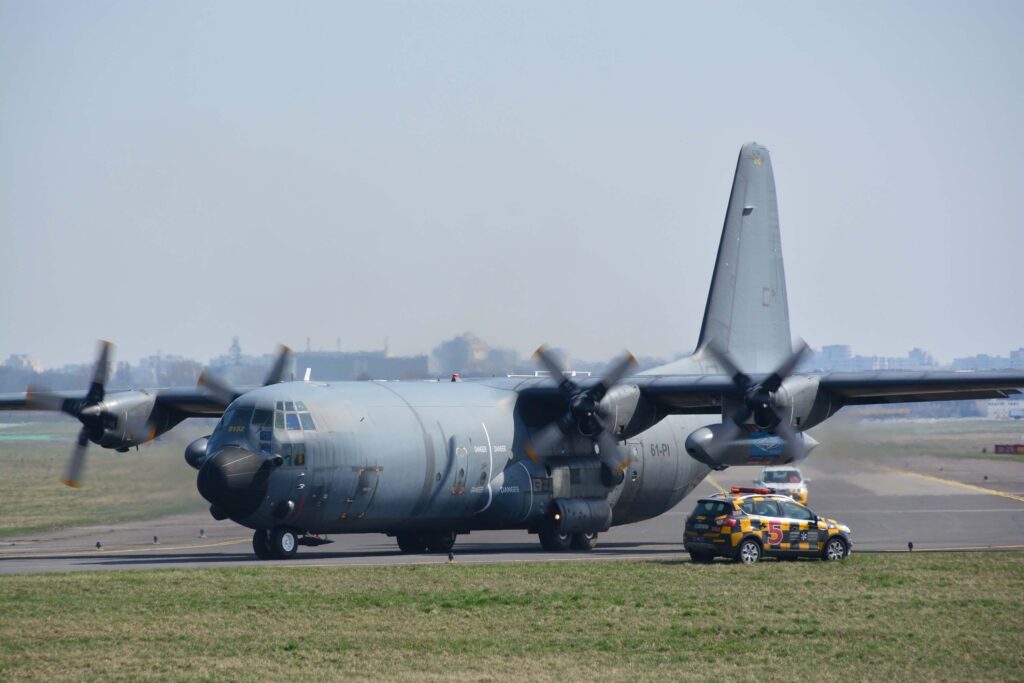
[936, 503]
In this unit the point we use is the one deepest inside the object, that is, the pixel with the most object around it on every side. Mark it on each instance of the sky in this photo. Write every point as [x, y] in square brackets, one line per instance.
[173, 174]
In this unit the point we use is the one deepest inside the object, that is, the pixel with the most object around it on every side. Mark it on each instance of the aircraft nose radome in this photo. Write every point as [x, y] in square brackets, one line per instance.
[234, 480]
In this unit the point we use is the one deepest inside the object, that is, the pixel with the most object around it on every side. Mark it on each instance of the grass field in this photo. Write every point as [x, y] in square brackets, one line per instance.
[949, 438]
[152, 481]
[921, 617]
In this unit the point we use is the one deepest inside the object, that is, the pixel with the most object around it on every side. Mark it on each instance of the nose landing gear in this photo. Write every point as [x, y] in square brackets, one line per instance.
[277, 544]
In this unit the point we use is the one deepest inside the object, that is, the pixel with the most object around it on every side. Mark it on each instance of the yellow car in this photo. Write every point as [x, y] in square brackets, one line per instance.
[750, 523]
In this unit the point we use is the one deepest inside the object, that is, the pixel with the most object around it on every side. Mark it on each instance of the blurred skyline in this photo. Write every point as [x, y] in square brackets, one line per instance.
[173, 174]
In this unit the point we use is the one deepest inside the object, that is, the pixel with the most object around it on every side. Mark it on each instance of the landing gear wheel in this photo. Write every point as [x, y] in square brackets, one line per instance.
[441, 542]
[554, 542]
[261, 545]
[835, 549]
[411, 543]
[749, 552]
[283, 543]
[584, 541]
[701, 558]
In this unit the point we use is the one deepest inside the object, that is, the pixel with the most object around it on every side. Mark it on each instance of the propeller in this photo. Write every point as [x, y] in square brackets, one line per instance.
[583, 416]
[223, 392]
[87, 410]
[759, 398]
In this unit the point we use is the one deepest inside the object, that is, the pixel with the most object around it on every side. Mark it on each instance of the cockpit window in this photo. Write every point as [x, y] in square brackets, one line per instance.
[293, 416]
[239, 417]
[261, 417]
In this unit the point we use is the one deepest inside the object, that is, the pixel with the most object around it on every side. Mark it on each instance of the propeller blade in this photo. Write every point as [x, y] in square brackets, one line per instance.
[73, 475]
[100, 373]
[276, 374]
[794, 443]
[775, 380]
[553, 365]
[616, 371]
[217, 387]
[741, 379]
[544, 441]
[611, 453]
[43, 398]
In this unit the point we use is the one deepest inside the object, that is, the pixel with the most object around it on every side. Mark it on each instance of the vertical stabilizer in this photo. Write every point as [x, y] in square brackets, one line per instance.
[747, 313]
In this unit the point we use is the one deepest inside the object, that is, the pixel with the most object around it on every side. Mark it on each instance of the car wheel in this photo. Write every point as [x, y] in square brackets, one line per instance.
[283, 543]
[554, 542]
[835, 549]
[749, 551]
[261, 545]
[411, 543]
[701, 558]
[584, 541]
[441, 542]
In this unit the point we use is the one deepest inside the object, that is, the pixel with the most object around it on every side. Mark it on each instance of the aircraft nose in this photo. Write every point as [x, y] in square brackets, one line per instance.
[234, 480]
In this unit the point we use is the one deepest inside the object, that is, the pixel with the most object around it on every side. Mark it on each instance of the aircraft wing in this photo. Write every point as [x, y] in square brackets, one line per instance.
[693, 394]
[906, 387]
[184, 402]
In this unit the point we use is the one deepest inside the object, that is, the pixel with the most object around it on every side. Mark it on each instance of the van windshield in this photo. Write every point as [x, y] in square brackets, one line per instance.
[782, 477]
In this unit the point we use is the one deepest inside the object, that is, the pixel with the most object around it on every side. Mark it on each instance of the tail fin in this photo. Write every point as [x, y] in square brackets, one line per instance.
[747, 313]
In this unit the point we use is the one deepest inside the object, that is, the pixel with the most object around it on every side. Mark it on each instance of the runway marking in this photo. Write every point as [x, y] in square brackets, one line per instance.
[910, 512]
[960, 549]
[714, 482]
[104, 551]
[953, 482]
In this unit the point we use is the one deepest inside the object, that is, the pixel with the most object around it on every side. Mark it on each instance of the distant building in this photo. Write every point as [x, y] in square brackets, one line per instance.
[359, 365]
[1006, 409]
[23, 361]
[469, 356]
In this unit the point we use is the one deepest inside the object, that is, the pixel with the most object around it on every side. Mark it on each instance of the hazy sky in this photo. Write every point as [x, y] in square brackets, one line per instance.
[175, 173]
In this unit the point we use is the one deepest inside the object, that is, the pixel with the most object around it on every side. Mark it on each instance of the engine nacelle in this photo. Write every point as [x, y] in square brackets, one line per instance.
[195, 452]
[128, 419]
[627, 412]
[706, 445]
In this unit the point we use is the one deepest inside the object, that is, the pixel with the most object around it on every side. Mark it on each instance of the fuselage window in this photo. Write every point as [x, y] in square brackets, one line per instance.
[292, 420]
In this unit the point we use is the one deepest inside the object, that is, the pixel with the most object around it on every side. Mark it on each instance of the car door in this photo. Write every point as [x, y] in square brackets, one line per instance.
[769, 516]
[802, 534]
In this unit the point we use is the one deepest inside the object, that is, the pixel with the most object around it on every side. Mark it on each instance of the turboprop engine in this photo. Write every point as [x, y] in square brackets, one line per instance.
[720, 445]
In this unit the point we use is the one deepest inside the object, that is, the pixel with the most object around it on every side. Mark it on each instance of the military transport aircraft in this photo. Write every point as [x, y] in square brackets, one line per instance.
[562, 457]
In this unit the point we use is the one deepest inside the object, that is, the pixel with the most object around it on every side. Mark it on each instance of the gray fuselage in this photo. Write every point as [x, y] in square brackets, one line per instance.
[360, 457]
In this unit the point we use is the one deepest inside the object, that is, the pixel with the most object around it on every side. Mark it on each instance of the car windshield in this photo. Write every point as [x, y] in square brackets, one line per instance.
[781, 477]
[712, 508]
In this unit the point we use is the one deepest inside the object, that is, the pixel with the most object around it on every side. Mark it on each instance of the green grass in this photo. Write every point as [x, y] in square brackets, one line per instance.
[948, 438]
[905, 617]
[152, 481]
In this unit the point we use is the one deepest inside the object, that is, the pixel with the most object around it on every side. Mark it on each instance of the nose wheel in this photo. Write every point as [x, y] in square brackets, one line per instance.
[276, 544]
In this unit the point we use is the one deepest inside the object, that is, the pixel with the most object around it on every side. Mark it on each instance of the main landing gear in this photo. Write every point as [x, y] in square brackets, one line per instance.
[281, 543]
[434, 542]
[555, 542]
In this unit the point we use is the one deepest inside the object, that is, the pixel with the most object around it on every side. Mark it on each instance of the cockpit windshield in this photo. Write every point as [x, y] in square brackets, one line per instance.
[292, 416]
